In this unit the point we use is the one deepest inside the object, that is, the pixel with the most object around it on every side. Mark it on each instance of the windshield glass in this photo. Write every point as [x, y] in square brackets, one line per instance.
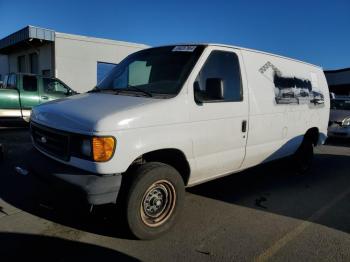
[160, 70]
[340, 104]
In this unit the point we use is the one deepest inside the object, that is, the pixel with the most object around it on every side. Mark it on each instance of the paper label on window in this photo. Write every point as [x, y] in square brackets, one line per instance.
[184, 48]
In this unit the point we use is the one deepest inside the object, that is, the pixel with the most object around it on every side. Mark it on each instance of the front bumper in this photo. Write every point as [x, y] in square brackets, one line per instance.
[94, 188]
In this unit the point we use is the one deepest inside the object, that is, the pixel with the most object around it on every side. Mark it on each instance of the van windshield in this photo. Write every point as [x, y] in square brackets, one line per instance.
[154, 71]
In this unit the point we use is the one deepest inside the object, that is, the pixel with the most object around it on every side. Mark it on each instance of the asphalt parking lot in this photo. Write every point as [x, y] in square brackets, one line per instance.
[266, 213]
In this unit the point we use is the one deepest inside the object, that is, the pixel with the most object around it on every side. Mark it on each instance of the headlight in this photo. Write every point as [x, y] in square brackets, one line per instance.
[103, 148]
[346, 122]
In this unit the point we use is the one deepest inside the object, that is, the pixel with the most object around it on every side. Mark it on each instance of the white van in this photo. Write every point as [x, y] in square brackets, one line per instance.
[175, 116]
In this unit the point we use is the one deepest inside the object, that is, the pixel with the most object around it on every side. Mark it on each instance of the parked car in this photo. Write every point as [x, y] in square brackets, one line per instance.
[339, 119]
[19, 93]
[172, 117]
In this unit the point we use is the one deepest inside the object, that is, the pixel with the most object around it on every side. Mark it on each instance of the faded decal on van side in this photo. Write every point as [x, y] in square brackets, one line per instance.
[292, 89]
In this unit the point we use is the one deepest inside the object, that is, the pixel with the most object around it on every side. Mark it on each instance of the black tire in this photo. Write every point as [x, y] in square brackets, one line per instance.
[304, 156]
[154, 200]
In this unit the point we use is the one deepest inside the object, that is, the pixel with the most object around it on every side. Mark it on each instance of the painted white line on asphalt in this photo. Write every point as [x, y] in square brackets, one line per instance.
[273, 249]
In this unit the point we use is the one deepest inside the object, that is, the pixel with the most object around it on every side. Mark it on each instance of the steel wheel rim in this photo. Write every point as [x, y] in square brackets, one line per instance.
[158, 203]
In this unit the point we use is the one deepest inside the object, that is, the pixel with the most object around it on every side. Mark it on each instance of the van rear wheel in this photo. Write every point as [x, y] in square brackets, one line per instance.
[154, 200]
[303, 158]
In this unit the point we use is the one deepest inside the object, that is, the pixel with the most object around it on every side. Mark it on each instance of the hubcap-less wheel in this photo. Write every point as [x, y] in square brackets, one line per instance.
[154, 199]
[158, 203]
[303, 157]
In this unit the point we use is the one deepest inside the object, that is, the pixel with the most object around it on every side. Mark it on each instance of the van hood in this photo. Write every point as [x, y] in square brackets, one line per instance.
[98, 112]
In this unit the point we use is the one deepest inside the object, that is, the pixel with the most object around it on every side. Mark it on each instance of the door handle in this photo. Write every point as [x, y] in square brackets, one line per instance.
[44, 97]
[244, 126]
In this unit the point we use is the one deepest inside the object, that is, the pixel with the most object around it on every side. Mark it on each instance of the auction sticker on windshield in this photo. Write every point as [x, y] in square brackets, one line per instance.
[184, 48]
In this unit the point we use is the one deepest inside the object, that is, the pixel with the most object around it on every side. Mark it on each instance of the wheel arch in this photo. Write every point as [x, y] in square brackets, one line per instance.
[170, 156]
[312, 134]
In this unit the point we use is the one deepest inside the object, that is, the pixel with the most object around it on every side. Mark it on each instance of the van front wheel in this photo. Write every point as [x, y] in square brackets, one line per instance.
[154, 200]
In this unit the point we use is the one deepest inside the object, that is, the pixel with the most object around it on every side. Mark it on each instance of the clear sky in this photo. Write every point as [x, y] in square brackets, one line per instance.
[314, 31]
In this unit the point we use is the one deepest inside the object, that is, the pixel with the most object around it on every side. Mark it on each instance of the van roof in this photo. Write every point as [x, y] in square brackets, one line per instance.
[250, 50]
[266, 53]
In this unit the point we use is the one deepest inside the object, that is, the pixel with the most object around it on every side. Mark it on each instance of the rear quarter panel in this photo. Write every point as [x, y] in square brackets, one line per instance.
[276, 127]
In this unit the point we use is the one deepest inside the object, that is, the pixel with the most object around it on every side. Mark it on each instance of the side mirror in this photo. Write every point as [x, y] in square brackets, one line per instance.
[215, 88]
[198, 93]
[71, 92]
[214, 91]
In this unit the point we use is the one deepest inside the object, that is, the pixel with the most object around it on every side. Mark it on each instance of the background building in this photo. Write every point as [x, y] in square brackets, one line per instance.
[79, 61]
[339, 81]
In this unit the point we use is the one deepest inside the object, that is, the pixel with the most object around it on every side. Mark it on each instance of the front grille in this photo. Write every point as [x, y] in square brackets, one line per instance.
[51, 141]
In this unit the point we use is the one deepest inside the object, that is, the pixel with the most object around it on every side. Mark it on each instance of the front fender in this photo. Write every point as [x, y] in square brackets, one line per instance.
[132, 144]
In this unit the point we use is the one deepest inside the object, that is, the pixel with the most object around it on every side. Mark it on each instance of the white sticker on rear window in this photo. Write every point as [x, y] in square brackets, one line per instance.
[184, 48]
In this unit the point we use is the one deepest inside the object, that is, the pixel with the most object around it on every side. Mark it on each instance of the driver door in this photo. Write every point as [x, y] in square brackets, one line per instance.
[219, 126]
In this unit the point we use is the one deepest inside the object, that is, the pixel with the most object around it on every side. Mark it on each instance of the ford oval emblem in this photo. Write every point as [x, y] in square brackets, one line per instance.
[43, 139]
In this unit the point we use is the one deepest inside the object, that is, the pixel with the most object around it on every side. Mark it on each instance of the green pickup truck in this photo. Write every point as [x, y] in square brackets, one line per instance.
[20, 92]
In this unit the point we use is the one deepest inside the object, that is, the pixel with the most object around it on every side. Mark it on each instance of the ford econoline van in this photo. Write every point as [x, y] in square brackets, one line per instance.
[175, 116]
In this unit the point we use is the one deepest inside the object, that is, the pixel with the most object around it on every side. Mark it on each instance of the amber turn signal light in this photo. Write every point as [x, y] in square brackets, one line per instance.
[103, 148]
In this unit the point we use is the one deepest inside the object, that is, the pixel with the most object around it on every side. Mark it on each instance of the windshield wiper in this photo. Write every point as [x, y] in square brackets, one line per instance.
[118, 90]
[139, 89]
[95, 90]
[98, 90]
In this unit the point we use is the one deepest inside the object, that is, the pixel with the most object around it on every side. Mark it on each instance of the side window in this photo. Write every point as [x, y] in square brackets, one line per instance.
[223, 68]
[4, 82]
[11, 81]
[30, 83]
[52, 86]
